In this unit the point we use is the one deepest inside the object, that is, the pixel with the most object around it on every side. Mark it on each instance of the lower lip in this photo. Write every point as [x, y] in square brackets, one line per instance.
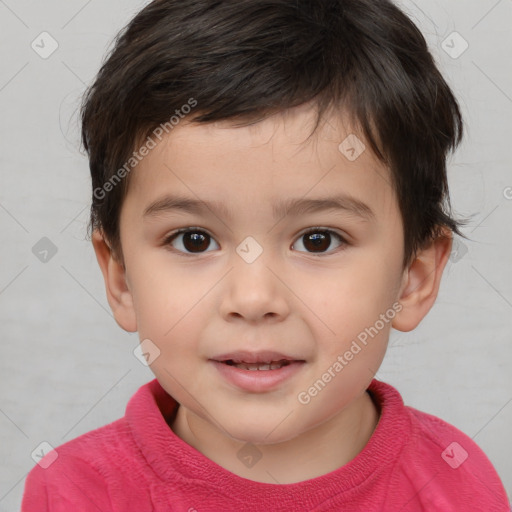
[257, 380]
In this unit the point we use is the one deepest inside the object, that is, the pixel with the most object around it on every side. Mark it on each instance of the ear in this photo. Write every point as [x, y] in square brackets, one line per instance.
[420, 283]
[118, 294]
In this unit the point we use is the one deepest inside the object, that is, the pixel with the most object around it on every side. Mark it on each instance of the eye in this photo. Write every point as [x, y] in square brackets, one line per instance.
[193, 240]
[317, 240]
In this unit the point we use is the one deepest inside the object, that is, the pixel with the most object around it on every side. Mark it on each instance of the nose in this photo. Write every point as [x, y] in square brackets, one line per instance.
[254, 292]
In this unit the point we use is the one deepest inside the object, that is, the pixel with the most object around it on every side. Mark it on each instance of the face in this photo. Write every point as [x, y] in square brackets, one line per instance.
[235, 248]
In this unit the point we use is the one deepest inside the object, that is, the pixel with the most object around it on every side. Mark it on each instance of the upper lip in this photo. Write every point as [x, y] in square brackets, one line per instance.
[245, 356]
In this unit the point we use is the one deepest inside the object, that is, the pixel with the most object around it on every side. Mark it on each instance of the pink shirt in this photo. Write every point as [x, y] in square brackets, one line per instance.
[412, 462]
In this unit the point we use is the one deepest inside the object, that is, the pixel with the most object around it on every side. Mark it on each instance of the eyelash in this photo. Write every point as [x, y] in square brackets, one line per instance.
[170, 238]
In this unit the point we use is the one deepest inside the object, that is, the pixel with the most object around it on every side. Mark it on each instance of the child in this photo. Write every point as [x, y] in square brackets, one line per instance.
[269, 199]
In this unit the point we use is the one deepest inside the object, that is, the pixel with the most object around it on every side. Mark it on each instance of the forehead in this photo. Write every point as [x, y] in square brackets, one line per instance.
[277, 162]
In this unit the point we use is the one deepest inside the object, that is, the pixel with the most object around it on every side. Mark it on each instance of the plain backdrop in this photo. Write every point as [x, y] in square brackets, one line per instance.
[66, 367]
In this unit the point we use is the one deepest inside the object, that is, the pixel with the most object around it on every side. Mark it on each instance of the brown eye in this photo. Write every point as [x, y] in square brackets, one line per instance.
[319, 240]
[190, 241]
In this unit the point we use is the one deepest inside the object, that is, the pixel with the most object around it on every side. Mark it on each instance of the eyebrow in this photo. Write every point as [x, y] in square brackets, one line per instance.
[289, 207]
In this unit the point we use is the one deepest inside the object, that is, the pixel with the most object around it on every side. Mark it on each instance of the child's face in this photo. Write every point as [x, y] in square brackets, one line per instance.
[308, 299]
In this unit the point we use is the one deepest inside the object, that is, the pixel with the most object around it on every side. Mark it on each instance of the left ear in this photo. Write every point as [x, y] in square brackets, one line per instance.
[420, 284]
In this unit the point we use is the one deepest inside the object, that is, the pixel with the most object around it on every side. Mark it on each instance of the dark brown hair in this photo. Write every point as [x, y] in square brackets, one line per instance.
[243, 60]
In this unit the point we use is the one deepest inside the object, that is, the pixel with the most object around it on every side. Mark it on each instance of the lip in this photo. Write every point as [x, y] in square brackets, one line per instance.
[258, 381]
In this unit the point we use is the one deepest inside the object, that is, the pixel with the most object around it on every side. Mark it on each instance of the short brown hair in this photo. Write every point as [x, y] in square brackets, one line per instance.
[247, 59]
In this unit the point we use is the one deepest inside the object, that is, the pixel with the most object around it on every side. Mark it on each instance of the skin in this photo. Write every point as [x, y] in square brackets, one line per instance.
[307, 304]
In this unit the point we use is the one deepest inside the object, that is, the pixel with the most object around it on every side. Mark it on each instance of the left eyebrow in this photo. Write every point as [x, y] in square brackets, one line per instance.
[296, 206]
[343, 202]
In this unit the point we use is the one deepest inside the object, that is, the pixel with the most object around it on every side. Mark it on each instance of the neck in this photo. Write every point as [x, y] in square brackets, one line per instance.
[314, 453]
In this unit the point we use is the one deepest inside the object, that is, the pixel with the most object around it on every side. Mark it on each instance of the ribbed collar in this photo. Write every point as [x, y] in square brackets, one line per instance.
[174, 460]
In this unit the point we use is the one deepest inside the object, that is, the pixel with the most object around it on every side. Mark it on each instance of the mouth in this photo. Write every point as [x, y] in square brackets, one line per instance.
[257, 372]
[266, 365]
[254, 361]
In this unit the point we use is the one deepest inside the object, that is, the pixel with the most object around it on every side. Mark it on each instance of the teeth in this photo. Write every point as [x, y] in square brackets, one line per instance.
[272, 365]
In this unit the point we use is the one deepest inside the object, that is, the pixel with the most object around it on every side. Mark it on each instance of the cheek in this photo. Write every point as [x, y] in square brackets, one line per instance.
[359, 289]
[355, 303]
[167, 301]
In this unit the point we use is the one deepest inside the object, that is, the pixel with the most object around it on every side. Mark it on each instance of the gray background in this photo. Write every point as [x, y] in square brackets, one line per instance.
[66, 366]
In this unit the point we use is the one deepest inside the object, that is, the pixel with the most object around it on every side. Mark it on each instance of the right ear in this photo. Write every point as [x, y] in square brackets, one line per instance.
[119, 295]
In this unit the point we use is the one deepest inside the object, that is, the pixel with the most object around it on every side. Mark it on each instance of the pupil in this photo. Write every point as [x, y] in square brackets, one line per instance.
[193, 241]
[318, 240]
